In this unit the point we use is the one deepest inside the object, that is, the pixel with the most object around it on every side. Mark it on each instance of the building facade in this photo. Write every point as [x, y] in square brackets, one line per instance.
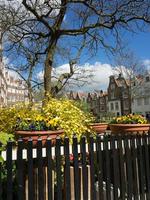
[119, 102]
[141, 95]
[3, 86]
[16, 89]
[12, 88]
[96, 101]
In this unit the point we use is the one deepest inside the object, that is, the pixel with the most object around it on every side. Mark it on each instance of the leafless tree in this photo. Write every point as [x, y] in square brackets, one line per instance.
[131, 68]
[53, 22]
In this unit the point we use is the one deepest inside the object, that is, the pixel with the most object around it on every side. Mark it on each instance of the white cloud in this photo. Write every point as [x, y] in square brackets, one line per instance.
[147, 63]
[100, 75]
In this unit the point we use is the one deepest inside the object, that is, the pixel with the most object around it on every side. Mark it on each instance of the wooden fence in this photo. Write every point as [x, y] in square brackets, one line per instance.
[102, 168]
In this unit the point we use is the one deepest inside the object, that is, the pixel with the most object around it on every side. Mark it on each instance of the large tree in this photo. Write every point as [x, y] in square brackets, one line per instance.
[63, 23]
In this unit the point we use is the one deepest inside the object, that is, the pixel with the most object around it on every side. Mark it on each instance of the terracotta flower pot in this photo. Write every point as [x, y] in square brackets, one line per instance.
[99, 127]
[26, 135]
[129, 128]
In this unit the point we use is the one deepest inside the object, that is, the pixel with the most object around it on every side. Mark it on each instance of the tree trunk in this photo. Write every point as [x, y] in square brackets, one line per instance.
[30, 95]
[48, 68]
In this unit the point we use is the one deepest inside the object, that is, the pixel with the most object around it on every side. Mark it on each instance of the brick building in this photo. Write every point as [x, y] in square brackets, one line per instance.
[119, 100]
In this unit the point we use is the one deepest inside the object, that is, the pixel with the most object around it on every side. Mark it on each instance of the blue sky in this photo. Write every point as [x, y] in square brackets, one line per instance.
[138, 43]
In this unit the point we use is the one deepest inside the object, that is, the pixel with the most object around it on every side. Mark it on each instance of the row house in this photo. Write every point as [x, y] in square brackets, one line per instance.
[16, 90]
[119, 101]
[96, 102]
[122, 97]
[3, 86]
[12, 89]
[141, 95]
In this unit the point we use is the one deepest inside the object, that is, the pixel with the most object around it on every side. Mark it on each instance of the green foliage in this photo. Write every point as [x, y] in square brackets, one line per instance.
[4, 137]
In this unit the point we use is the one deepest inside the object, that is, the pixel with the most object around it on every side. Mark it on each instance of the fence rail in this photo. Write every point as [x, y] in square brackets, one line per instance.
[105, 167]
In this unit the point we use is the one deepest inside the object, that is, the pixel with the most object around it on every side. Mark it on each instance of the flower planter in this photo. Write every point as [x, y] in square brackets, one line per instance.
[129, 128]
[99, 127]
[34, 135]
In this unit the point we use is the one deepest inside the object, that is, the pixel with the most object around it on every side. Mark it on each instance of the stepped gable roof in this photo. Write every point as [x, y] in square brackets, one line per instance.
[82, 95]
[101, 93]
[72, 95]
[121, 81]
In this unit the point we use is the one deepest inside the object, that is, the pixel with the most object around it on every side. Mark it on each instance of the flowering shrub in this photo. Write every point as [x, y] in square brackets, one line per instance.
[55, 115]
[67, 116]
[129, 119]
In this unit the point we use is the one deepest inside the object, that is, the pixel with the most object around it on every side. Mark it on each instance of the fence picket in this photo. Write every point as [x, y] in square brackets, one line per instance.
[20, 170]
[115, 168]
[9, 167]
[31, 192]
[58, 169]
[40, 170]
[67, 169]
[107, 157]
[76, 169]
[129, 168]
[84, 168]
[122, 168]
[147, 165]
[141, 167]
[92, 168]
[135, 168]
[100, 166]
[49, 169]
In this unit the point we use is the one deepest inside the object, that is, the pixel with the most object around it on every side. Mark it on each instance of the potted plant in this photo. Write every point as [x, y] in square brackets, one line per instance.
[99, 128]
[57, 117]
[129, 124]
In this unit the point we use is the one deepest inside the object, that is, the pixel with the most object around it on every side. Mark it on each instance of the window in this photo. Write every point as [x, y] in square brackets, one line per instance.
[126, 104]
[139, 102]
[101, 100]
[125, 94]
[112, 106]
[102, 108]
[147, 78]
[146, 101]
[113, 95]
[116, 106]
[112, 86]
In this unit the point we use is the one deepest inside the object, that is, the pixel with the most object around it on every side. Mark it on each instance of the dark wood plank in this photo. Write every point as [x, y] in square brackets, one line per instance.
[147, 165]
[9, 166]
[100, 166]
[76, 168]
[92, 168]
[122, 169]
[135, 167]
[129, 168]
[58, 169]
[141, 168]
[115, 167]
[20, 170]
[49, 168]
[31, 192]
[67, 169]
[40, 170]
[84, 168]
[107, 157]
